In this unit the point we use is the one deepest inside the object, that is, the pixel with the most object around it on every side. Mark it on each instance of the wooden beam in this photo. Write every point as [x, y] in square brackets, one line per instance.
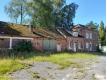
[16, 37]
[10, 43]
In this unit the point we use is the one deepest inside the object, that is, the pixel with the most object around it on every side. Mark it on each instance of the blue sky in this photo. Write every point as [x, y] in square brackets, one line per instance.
[88, 10]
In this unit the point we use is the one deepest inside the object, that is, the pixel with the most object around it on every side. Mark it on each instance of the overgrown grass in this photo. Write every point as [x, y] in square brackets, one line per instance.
[4, 77]
[62, 58]
[7, 66]
[10, 65]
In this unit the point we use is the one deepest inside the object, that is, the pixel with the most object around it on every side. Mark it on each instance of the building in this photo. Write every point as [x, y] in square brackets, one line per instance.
[50, 40]
[78, 38]
[90, 37]
[11, 34]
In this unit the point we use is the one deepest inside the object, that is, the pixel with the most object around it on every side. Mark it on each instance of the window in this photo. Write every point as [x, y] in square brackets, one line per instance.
[87, 45]
[79, 45]
[75, 34]
[87, 35]
[90, 35]
[90, 46]
[71, 44]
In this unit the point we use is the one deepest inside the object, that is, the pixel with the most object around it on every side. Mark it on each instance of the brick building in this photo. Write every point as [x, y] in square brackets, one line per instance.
[78, 38]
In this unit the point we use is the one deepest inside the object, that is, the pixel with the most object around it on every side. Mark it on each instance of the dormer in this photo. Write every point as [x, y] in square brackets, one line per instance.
[75, 32]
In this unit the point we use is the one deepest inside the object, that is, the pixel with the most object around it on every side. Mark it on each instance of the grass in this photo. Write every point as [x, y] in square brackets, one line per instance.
[10, 65]
[7, 66]
[4, 78]
[93, 77]
[35, 75]
[62, 59]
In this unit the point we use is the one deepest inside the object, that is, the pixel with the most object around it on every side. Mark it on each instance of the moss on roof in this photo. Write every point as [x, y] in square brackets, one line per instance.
[48, 33]
[9, 29]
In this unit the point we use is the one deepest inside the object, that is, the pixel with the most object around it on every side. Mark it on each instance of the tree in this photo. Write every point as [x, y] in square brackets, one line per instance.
[42, 12]
[102, 33]
[92, 25]
[16, 9]
[64, 18]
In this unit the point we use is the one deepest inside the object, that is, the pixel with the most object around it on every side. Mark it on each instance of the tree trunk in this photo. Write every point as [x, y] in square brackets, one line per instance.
[21, 15]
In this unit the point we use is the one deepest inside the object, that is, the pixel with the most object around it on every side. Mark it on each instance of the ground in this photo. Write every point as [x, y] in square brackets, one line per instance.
[83, 69]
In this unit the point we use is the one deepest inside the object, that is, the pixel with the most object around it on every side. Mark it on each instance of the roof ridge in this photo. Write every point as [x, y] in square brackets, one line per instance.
[61, 33]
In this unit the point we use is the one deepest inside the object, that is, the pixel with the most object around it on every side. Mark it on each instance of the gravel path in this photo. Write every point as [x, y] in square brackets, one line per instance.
[94, 69]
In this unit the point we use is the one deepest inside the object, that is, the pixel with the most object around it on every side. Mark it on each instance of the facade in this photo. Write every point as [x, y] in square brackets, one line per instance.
[11, 34]
[90, 37]
[79, 38]
[50, 40]
[74, 42]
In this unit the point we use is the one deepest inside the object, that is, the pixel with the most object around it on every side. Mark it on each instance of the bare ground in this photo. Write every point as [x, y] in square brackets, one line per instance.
[91, 69]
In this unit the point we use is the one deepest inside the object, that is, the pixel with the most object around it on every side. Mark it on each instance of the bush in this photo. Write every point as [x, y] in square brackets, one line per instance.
[98, 49]
[23, 46]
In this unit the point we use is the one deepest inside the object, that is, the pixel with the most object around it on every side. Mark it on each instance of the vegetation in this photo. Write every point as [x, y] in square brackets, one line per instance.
[92, 25]
[23, 46]
[4, 78]
[16, 10]
[12, 64]
[7, 66]
[102, 34]
[42, 13]
[64, 17]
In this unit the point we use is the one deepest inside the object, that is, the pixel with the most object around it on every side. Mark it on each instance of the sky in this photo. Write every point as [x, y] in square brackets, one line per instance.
[88, 10]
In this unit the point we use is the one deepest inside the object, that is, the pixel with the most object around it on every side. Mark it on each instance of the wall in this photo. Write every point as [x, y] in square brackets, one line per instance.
[63, 43]
[77, 41]
[4, 43]
[38, 44]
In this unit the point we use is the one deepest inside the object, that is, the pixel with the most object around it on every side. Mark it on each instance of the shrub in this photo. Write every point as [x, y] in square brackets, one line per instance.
[23, 46]
[98, 49]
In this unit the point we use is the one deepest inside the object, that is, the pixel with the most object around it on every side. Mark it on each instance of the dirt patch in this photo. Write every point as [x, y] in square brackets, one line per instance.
[49, 71]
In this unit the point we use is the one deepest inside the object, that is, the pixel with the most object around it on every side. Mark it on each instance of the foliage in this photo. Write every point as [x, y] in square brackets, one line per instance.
[42, 13]
[16, 9]
[64, 17]
[102, 34]
[23, 46]
[98, 49]
[92, 25]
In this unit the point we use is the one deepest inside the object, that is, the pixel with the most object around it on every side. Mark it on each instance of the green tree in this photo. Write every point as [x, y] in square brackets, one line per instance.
[92, 25]
[102, 33]
[42, 12]
[16, 9]
[64, 17]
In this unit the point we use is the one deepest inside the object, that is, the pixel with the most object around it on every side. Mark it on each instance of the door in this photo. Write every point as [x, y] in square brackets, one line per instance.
[58, 47]
[90, 46]
[49, 45]
[45, 44]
